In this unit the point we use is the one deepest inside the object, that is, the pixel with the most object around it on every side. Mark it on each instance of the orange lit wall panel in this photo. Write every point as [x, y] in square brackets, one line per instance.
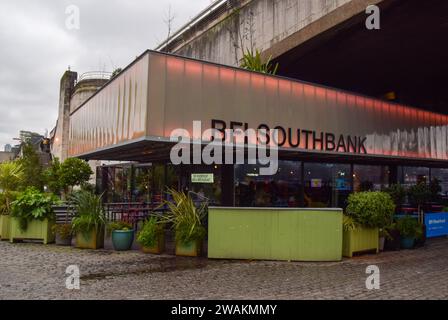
[159, 93]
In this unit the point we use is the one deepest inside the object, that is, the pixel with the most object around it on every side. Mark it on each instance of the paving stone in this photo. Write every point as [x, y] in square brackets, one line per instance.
[34, 271]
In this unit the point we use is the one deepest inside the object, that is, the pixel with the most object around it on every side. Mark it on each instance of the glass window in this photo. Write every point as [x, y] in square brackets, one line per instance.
[143, 187]
[118, 183]
[441, 174]
[280, 190]
[210, 189]
[326, 184]
[409, 176]
[366, 178]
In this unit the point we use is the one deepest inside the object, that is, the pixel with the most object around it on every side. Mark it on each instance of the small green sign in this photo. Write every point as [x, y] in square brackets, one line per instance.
[202, 178]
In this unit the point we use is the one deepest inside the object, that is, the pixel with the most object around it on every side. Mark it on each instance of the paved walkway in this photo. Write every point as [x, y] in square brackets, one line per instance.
[33, 271]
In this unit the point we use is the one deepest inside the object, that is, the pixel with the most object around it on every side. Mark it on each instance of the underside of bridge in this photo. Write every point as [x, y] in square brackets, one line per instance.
[407, 56]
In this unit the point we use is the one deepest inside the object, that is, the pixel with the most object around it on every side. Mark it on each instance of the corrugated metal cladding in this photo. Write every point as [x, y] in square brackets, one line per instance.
[160, 93]
[117, 113]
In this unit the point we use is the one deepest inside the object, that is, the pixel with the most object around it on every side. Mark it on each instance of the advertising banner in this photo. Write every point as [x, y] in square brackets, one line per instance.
[436, 224]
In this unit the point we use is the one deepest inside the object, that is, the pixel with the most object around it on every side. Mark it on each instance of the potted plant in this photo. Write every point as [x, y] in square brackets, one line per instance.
[187, 221]
[384, 234]
[151, 237]
[392, 239]
[365, 214]
[63, 234]
[419, 195]
[122, 235]
[11, 176]
[89, 221]
[32, 216]
[410, 230]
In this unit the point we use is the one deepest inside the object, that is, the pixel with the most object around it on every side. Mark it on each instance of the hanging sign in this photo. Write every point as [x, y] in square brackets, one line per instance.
[202, 178]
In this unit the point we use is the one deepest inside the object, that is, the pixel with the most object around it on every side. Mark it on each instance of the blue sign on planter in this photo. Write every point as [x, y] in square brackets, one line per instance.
[436, 224]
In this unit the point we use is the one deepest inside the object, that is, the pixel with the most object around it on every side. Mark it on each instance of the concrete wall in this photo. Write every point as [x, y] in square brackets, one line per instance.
[257, 24]
[60, 145]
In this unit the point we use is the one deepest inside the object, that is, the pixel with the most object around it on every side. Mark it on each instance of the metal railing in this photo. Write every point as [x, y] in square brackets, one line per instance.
[94, 75]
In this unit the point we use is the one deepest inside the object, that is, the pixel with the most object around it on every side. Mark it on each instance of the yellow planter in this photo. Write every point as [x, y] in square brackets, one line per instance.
[189, 249]
[5, 227]
[93, 239]
[36, 230]
[360, 240]
[158, 248]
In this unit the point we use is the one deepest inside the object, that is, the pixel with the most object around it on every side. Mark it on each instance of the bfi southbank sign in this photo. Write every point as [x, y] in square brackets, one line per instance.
[236, 143]
[301, 138]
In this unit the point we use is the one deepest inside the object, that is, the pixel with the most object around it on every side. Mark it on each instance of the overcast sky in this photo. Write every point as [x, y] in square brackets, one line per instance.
[36, 48]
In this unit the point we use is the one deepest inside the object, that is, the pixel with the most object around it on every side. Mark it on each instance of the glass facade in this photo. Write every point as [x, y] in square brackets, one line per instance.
[136, 183]
[280, 190]
[208, 188]
[326, 184]
[441, 174]
[295, 184]
[409, 176]
[368, 177]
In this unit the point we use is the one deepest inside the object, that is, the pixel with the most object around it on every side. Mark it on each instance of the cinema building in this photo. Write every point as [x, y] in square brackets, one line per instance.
[331, 142]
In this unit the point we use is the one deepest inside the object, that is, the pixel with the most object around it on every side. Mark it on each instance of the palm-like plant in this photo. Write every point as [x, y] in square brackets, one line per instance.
[11, 176]
[185, 217]
[89, 212]
[253, 61]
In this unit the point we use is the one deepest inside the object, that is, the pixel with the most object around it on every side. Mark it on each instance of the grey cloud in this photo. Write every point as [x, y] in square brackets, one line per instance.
[36, 48]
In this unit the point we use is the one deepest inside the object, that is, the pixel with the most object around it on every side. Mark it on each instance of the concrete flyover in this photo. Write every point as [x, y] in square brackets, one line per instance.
[273, 27]
[326, 42]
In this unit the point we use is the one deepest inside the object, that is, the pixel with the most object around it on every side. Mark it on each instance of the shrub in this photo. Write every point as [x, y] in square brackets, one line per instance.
[73, 172]
[397, 192]
[419, 193]
[435, 188]
[11, 176]
[6, 199]
[370, 209]
[32, 167]
[409, 227]
[32, 204]
[151, 231]
[52, 177]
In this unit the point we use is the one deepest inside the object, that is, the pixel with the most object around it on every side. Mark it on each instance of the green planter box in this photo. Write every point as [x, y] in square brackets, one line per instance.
[5, 227]
[36, 230]
[93, 239]
[360, 240]
[158, 248]
[291, 234]
[189, 249]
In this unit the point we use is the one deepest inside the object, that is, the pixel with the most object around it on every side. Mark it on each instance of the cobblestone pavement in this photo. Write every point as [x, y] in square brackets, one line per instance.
[34, 271]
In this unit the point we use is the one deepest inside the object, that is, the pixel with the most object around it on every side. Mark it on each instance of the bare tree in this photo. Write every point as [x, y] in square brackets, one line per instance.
[242, 31]
[169, 20]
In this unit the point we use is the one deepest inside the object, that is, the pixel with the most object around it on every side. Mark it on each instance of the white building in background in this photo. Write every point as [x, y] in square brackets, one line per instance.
[73, 92]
